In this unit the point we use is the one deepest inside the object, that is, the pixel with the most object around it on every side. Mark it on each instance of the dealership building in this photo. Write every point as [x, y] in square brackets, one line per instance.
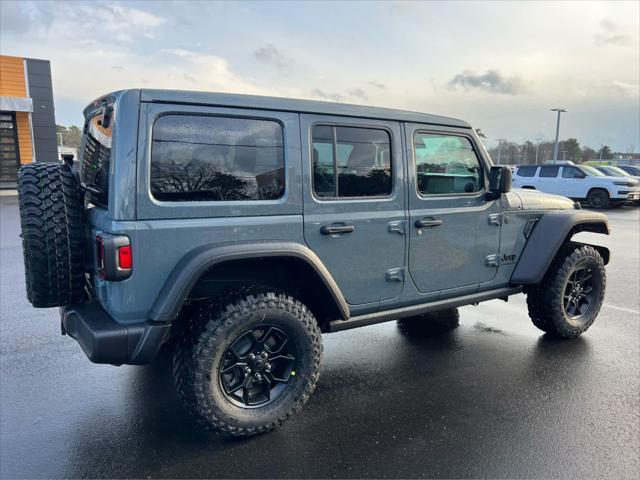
[27, 119]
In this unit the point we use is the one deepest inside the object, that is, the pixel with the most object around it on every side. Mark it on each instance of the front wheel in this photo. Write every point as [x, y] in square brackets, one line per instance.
[245, 367]
[598, 198]
[570, 296]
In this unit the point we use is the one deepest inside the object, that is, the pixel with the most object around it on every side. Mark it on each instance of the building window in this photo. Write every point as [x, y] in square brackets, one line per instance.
[207, 158]
[351, 162]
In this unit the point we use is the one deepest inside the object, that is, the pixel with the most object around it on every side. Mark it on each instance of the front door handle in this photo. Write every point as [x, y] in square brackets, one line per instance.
[428, 222]
[334, 229]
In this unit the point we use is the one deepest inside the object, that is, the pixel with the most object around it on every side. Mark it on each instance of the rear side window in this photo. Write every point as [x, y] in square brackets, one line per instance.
[527, 171]
[549, 172]
[206, 158]
[350, 162]
[446, 164]
[96, 158]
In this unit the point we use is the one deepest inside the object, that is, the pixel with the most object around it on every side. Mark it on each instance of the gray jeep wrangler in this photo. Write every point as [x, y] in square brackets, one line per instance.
[237, 229]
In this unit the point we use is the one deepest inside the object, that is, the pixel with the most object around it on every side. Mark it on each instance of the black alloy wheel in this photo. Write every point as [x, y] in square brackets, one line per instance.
[579, 294]
[565, 304]
[257, 366]
[246, 362]
[598, 198]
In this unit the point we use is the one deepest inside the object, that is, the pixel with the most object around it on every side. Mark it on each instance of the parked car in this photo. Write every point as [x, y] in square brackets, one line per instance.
[631, 170]
[612, 171]
[239, 228]
[579, 182]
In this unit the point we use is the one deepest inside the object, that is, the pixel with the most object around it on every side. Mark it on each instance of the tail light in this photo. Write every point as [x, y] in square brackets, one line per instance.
[114, 257]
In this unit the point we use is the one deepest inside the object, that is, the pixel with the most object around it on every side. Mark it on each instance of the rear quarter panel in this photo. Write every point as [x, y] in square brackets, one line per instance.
[162, 233]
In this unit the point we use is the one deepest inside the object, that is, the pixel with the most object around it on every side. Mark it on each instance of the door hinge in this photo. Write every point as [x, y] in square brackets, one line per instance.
[394, 275]
[397, 226]
[492, 260]
[495, 219]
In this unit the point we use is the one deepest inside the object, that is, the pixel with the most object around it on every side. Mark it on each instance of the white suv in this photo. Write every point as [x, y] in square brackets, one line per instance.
[580, 182]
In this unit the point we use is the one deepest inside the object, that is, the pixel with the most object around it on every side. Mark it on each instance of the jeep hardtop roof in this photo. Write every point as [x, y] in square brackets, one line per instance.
[216, 99]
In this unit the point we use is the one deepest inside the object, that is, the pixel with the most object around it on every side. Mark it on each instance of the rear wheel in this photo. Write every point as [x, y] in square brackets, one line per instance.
[245, 367]
[570, 296]
[598, 198]
[51, 217]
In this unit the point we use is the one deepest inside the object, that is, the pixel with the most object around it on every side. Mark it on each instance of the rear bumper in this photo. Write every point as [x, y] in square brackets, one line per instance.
[104, 340]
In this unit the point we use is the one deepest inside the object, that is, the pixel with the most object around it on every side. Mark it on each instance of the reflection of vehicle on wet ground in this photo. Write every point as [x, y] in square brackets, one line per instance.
[580, 182]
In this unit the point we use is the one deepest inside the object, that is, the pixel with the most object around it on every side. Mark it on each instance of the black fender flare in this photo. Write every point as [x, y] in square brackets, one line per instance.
[550, 232]
[194, 264]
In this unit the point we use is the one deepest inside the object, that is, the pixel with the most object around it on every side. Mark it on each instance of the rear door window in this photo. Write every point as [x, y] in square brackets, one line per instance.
[548, 172]
[351, 162]
[216, 158]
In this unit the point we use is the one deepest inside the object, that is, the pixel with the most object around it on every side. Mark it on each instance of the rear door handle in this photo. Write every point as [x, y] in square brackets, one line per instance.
[428, 222]
[333, 229]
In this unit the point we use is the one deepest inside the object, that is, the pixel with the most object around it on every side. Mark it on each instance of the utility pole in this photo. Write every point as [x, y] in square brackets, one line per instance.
[538, 139]
[601, 149]
[555, 147]
[499, 149]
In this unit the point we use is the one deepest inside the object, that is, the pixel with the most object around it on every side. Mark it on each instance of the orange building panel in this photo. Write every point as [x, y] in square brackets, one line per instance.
[12, 82]
[24, 137]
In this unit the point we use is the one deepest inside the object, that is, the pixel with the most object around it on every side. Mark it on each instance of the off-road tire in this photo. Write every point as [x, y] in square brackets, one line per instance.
[431, 323]
[209, 332]
[545, 302]
[598, 198]
[51, 217]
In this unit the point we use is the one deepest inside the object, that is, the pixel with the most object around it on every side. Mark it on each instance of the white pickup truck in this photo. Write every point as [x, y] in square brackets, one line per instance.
[580, 182]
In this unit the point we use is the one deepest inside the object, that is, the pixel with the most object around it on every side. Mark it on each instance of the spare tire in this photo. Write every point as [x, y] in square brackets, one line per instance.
[51, 217]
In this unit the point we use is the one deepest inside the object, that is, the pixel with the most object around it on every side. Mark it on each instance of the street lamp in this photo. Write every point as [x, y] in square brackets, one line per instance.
[538, 140]
[555, 147]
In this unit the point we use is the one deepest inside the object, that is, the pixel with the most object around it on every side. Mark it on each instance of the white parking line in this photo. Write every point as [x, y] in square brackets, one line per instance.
[629, 310]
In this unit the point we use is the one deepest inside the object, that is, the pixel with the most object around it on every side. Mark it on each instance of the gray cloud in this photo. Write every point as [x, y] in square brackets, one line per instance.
[271, 55]
[358, 93]
[379, 85]
[491, 81]
[611, 34]
[321, 94]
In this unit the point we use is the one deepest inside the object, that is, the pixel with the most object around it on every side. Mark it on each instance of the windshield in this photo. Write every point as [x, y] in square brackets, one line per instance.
[615, 171]
[591, 171]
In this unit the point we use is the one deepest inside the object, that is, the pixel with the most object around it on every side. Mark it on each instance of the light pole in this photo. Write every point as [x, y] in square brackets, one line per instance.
[538, 139]
[555, 146]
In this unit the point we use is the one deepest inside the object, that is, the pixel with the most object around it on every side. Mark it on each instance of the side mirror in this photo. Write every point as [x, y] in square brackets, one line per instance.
[499, 181]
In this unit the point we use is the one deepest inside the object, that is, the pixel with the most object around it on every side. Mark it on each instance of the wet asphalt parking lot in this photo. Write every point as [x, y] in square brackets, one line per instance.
[493, 398]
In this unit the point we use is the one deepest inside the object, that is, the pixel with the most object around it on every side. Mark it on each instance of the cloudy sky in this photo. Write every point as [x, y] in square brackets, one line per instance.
[500, 66]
